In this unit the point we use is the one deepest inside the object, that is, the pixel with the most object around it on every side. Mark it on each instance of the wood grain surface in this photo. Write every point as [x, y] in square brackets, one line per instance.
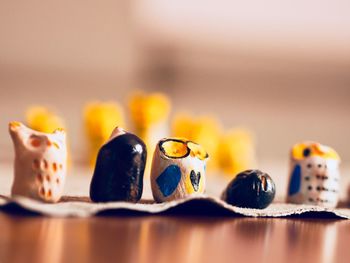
[172, 239]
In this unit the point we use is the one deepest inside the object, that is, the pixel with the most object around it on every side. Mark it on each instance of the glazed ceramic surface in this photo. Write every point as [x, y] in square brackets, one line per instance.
[314, 175]
[119, 169]
[250, 189]
[40, 163]
[178, 169]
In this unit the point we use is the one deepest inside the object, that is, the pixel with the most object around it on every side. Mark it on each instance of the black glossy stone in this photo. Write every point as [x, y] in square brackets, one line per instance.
[251, 189]
[119, 169]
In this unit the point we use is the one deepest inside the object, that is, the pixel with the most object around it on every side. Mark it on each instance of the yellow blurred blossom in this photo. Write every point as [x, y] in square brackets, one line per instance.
[42, 119]
[148, 109]
[100, 118]
[149, 113]
[236, 151]
[204, 130]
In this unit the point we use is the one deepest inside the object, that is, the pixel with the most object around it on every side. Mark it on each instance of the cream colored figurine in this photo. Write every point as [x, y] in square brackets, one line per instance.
[40, 163]
[314, 175]
[178, 169]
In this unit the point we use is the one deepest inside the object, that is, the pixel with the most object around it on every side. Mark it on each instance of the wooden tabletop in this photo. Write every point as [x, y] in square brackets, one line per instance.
[172, 239]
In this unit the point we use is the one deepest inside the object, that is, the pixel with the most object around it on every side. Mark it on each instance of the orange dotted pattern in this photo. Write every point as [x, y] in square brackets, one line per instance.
[46, 176]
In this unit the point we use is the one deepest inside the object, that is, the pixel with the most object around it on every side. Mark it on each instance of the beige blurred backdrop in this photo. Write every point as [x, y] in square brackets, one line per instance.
[281, 68]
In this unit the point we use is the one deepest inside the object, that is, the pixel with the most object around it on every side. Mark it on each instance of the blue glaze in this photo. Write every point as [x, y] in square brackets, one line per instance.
[295, 181]
[169, 179]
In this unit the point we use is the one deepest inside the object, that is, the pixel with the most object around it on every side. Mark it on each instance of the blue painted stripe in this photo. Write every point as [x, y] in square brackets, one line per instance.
[295, 181]
[169, 179]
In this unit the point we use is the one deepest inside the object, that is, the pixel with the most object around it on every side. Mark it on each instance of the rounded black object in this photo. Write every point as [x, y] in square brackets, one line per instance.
[119, 169]
[251, 189]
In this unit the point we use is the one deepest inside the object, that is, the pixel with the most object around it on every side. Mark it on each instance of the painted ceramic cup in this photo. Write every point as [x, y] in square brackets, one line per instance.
[40, 163]
[178, 169]
[314, 175]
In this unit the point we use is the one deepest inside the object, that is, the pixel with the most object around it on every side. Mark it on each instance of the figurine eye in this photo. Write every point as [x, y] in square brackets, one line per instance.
[197, 151]
[306, 152]
[174, 148]
[35, 141]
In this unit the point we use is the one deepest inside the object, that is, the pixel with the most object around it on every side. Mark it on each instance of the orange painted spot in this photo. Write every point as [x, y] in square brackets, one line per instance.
[49, 143]
[49, 193]
[54, 166]
[36, 164]
[14, 124]
[40, 177]
[46, 165]
[42, 191]
[48, 178]
[57, 180]
[35, 142]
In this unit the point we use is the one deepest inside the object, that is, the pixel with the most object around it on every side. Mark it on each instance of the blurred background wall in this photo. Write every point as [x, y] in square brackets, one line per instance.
[281, 68]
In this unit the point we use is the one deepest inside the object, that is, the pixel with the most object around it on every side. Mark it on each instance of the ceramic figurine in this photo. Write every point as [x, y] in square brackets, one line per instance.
[42, 119]
[119, 169]
[250, 189]
[149, 114]
[314, 175]
[178, 169]
[205, 130]
[100, 118]
[40, 163]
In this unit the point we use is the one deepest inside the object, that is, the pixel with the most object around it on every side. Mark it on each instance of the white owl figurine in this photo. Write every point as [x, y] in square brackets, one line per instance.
[178, 169]
[314, 175]
[40, 163]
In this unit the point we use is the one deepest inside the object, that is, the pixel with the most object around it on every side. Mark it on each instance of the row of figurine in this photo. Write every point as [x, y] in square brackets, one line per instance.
[178, 170]
[149, 116]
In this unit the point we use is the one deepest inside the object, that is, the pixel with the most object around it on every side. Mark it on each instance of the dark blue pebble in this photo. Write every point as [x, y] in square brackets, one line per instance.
[250, 189]
[119, 170]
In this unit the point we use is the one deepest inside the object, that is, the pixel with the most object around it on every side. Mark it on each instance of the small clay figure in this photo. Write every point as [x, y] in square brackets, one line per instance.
[314, 175]
[119, 169]
[178, 169]
[250, 189]
[40, 163]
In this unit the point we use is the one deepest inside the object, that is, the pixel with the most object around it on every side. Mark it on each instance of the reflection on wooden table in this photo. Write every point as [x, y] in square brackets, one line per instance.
[172, 239]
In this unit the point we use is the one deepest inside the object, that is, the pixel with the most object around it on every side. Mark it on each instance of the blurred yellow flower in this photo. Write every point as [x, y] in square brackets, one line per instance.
[100, 118]
[42, 119]
[149, 113]
[148, 109]
[236, 151]
[204, 130]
